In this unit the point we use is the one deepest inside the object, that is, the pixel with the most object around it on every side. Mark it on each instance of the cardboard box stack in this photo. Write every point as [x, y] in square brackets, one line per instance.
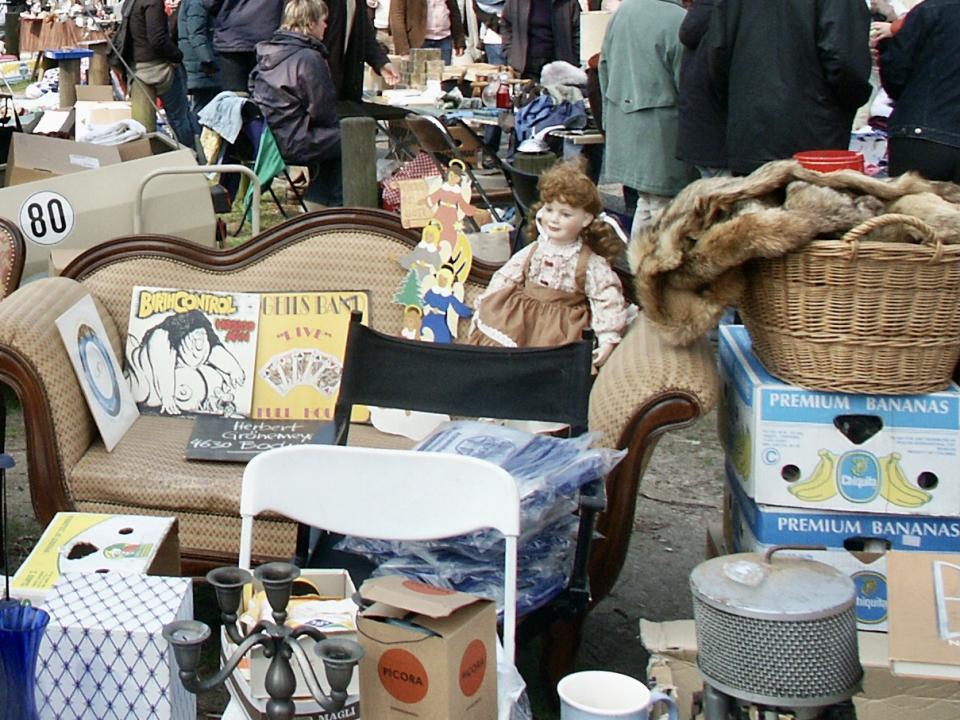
[857, 475]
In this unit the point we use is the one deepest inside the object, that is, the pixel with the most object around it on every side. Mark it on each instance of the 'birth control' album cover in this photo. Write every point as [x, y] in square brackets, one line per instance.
[300, 354]
[192, 352]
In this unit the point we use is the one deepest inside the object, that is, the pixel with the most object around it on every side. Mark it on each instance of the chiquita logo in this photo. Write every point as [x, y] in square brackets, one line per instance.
[858, 476]
[403, 676]
[473, 666]
[871, 597]
[425, 589]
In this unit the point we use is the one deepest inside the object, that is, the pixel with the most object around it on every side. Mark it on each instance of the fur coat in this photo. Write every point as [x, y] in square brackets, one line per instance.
[688, 265]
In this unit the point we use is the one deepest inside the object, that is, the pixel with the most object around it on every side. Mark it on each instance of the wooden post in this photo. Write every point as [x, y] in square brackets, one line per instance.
[69, 79]
[143, 104]
[358, 152]
[99, 68]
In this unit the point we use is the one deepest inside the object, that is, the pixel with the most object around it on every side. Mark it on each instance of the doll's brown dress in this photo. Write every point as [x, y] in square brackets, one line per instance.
[531, 315]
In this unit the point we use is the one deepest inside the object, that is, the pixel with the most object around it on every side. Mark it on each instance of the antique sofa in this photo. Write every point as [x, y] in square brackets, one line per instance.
[645, 389]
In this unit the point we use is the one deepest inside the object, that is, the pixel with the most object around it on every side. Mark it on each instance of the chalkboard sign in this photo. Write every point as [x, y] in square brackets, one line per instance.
[239, 440]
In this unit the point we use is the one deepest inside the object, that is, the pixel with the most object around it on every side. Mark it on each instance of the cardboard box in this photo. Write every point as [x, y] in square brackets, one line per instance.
[883, 696]
[924, 615]
[792, 447]
[92, 543]
[37, 157]
[430, 653]
[94, 93]
[856, 543]
[78, 211]
[103, 654]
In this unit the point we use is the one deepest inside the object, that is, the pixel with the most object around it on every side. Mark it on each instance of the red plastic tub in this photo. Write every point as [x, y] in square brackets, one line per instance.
[830, 160]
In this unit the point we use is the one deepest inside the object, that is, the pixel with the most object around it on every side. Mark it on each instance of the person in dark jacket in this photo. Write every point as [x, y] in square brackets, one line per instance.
[291, 84]
[347, 59]
[920, 71]
[237, 28]
[537, 32]
[701, 123]
[791, 75]
[156, 63]
[199, 59]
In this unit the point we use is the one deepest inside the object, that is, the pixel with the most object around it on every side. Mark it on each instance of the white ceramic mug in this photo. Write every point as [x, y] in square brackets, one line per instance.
[600, 695]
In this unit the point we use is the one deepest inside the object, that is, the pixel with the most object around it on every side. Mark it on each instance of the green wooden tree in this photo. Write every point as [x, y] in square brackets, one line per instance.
[409, 291]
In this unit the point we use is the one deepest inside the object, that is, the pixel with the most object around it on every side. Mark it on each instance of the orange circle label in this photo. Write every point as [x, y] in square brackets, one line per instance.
[403, 676]
[425, 589]
[473, 666]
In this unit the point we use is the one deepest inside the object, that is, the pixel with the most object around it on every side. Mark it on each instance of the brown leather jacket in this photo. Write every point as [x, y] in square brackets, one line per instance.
[408, 19]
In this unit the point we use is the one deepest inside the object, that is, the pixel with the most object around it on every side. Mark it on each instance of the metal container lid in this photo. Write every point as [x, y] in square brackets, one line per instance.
[769, 587]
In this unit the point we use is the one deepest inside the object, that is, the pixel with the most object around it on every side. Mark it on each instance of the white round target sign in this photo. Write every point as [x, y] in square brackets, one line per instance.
[46, 218]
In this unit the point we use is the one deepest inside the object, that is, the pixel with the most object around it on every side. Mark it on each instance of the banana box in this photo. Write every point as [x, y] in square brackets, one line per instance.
[853, 543]
[836, 451]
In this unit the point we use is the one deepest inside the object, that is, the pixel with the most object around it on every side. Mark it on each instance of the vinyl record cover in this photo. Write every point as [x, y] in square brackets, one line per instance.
[192, 352]
[98, 371]
[300, 354]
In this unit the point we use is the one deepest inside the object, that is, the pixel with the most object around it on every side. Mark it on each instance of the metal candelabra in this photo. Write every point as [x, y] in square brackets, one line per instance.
[280, 643]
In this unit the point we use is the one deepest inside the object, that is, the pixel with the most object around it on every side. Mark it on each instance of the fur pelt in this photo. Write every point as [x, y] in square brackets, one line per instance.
[560, 72]
[688, 263]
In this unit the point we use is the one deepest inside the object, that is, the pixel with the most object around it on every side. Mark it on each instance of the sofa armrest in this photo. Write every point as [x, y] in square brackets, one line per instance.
[34, 363]
[646, 388]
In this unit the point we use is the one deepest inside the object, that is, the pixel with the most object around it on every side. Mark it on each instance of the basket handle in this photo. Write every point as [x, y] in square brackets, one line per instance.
[856, 234]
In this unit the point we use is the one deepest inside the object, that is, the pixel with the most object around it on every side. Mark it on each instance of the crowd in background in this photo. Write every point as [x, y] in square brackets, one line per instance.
[687, 88]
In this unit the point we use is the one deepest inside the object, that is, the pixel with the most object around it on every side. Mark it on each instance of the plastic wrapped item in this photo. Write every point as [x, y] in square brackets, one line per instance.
[548, 471]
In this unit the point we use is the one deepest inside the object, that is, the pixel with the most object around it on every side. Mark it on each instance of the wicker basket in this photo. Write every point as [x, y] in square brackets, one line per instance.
[859, 316]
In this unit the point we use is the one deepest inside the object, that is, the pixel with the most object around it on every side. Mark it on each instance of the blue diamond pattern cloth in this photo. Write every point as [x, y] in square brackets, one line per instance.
[103, 656]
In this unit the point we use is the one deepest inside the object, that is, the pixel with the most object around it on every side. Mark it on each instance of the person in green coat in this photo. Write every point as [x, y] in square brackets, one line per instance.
[639, 80]
[199, 58]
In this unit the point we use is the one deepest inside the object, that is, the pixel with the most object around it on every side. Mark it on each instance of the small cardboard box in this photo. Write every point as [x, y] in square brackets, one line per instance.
[430, 652]
[883, 696]
[36, 157]
[92, 543]
[924, 615]
[836, 451]
[94, 93]
[856, 543]
[103, 654]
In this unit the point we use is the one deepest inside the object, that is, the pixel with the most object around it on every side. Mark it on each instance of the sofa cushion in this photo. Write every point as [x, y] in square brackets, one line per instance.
[148, 473]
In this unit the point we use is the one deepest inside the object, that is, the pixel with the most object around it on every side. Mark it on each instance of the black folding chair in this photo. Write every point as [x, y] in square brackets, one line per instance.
[435, 139]
[546, 384]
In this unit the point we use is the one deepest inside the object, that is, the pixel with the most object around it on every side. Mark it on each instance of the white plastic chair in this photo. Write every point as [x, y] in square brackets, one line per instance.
[387, 495]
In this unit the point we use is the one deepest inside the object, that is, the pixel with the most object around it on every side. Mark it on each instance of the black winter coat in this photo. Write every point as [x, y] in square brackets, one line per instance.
[240, 24]
[347, 70]
[701, 124]
[791, 74]
[150, 33]
[291, 84]
[920, 70]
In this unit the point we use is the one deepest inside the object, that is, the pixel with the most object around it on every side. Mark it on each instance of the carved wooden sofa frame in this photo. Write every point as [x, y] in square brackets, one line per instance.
[645, 389]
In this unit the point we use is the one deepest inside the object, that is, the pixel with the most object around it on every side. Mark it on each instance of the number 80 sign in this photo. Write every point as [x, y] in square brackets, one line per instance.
[46, 218]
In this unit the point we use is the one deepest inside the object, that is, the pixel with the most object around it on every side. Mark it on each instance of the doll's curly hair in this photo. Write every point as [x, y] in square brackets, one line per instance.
[567, 182]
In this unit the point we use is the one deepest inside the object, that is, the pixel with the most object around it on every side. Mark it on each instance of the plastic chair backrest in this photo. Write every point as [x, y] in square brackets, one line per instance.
[524, 186]
[389, 495]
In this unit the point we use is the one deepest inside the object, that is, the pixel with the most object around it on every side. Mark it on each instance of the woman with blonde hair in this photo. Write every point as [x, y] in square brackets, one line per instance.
[292, 85]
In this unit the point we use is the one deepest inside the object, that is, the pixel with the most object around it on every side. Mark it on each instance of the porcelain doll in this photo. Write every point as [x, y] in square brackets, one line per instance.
[561, 283]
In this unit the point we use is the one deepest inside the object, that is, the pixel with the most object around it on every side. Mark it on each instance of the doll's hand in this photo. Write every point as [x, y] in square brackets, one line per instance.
[601, 353]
